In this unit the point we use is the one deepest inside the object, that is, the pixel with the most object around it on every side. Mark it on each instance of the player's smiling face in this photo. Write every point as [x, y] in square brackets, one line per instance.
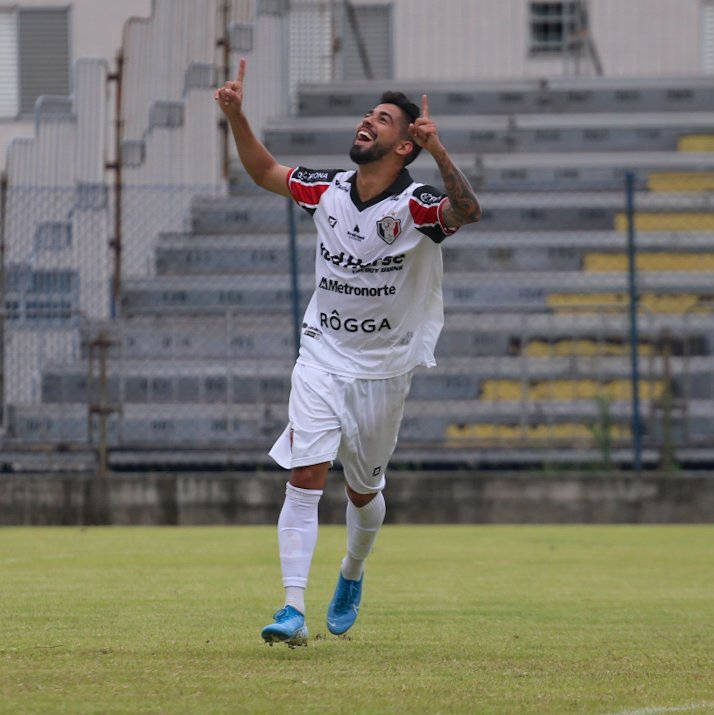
[380, 130]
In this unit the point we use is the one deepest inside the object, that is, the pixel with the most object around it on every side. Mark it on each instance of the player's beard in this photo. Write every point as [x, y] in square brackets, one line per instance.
[366, 155]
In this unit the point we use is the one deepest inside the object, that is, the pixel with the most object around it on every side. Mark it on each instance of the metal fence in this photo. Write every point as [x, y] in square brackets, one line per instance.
[545, 357]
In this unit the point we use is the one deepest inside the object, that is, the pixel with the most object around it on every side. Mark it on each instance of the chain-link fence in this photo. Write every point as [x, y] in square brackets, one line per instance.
[541, 358]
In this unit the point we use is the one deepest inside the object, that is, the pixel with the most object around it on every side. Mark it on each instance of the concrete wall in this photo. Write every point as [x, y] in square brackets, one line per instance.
[412, 497]
[489, 39]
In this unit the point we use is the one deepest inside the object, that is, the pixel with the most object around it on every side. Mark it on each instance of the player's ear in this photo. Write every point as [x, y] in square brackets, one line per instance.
[405, 147]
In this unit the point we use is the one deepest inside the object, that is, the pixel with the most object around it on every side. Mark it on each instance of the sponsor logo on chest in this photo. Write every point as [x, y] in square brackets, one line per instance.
[355, 234]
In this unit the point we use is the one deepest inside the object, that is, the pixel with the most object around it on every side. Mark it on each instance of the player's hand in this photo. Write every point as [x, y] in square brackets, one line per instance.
[423, 130]
[230, 95]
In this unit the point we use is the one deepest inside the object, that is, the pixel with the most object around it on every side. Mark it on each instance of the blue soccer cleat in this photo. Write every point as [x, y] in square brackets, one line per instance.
[344, 606]
[289, 627]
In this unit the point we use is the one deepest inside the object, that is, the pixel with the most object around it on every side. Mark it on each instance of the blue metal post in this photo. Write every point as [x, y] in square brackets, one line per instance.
[634, 335]
[295, 275]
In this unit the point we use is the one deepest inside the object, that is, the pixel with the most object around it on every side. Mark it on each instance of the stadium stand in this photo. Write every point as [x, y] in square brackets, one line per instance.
[535, 353]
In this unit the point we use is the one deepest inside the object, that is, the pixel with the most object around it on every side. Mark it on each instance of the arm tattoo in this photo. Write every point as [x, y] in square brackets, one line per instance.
[464, 206]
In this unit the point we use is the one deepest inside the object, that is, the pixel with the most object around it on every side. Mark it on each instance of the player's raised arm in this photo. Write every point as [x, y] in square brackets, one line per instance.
[257, 160]
[462, 206]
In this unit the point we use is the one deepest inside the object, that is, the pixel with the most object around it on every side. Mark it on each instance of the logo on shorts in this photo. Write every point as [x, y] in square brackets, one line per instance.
[389, 228]
[376, 471]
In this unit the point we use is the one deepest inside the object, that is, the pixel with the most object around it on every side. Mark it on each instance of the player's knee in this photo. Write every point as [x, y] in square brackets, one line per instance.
[358, 499]
[312, 476]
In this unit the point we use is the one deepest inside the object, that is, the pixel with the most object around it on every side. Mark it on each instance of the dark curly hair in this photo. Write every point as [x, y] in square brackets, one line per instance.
[412, 113]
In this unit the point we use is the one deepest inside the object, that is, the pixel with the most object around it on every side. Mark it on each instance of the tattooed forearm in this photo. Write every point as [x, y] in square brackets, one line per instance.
[463, 205]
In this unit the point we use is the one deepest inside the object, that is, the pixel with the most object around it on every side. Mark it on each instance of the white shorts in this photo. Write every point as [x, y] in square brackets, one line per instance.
[356, 421]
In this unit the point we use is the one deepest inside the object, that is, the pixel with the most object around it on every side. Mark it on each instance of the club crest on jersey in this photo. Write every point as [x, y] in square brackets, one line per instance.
[389, 228]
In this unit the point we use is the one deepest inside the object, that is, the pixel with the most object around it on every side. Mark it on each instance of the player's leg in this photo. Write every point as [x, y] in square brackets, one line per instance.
[297, 536]
[364, 517]
[369, 438]
[307, 447]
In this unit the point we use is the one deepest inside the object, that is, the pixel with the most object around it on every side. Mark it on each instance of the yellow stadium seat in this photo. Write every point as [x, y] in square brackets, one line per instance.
[667, 221]
[533, 433]
[655, 262]
[696, 143]
[564, 390]
[675, 181]
[587, 302]
[581, 348]
[501, 390]
[672, 303]
[617, 302]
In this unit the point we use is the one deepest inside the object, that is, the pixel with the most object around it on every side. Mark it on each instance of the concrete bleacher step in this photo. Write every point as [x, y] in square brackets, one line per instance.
[557, 94]
[179, 337]
[573, 335]
[450, 422]
[502, 211]
[539, 291]
[249, 337]
[481, 134]
[521, 171]
[471, 249]
[548, 377]
[501, 290]
[199, 383]
[239, 214]
[603, 171]
[422, 169]
[215, 294]
[151, 425]
[440, 422]
[583, 211]
[191, 254]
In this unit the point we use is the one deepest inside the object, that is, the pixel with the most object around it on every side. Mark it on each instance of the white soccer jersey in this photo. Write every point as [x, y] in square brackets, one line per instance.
[377, 309]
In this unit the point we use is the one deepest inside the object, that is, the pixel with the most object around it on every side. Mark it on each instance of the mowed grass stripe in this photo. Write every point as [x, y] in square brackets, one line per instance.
[455, 619]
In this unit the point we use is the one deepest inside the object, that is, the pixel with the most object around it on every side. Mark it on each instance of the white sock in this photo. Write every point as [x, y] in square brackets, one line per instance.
[363, 524]
[295, 597]
[297, 536]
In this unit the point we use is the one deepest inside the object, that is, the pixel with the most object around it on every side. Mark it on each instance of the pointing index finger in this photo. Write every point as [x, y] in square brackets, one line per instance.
[241, 70]
[424, 107]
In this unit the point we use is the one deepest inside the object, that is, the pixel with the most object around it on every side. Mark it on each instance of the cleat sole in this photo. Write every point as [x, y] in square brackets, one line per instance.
[295, 640]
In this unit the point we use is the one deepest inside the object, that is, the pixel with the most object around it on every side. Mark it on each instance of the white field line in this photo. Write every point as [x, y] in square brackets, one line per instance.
[690, 708]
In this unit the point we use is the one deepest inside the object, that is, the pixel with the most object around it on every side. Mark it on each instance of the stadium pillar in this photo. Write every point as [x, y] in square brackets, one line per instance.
[634, 335]
[115, 166]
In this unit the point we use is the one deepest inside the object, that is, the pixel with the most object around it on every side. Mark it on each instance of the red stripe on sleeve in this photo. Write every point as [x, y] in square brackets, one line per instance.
[424, 215]
[306, 194]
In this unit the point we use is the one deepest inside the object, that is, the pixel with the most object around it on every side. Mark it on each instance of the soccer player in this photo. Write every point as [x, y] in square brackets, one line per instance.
[375, 314]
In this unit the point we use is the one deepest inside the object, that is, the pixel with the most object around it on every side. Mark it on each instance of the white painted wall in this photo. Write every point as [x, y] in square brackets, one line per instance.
[488, 39]
[95, 27]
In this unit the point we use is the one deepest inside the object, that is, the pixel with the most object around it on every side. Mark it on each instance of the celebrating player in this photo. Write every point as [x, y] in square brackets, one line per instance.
[375, 314]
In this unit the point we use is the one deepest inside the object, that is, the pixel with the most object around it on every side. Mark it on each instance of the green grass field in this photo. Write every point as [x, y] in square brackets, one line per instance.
[455, 619]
